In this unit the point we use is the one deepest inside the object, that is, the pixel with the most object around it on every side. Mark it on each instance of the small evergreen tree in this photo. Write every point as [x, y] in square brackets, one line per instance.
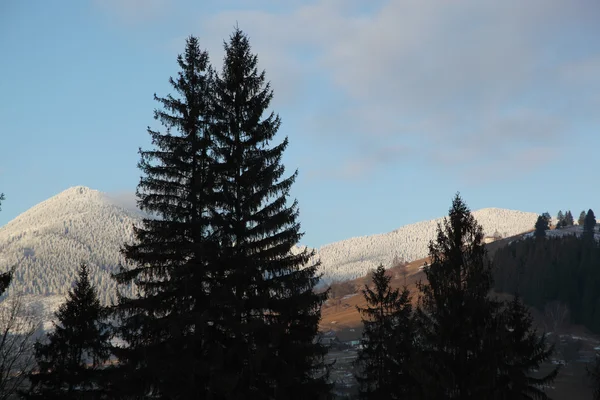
[548, 218]
[589, 224]
[541, 226]
[168, 327]
[466, 350]
[561, 219]
[569, 221]
[581, 220]
[387, 343]
[70, 361]
[524, 352]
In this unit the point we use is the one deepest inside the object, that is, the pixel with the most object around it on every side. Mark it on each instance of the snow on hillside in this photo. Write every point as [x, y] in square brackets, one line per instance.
[49, 241]
[353, 258]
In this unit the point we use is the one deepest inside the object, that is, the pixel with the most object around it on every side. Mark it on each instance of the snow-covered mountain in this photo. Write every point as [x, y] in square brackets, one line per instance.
[49, 241]
[353, 258]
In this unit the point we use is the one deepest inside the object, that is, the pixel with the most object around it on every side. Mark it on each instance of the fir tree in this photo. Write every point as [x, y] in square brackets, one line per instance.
[524, 352]
[168, 326]
[569, 221]
[465, 348]
[581, 220]
[541, 226]
[71, 360]
[561, 219]
[548, 218]
[383, 361]
[589, 225]
[269, 308]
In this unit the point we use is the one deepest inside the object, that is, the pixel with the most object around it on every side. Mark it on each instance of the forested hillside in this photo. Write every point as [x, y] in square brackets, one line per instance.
[48, 242]
[558, 268]
[355, 257]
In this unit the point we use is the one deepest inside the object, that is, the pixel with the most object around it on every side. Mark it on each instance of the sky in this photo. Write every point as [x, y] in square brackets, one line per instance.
[391, 107]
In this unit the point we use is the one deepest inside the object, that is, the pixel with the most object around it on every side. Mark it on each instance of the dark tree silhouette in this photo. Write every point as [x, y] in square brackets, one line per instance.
[467, 351]
[589, 225]
[267, 302]
[71, 360]
[541, 226]
[561, 219]
[568, 220]
[384, 360]
[169, 327]
[524, 352]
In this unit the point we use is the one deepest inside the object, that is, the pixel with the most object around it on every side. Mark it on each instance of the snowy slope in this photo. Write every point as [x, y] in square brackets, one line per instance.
[352, 258]
[48, 242]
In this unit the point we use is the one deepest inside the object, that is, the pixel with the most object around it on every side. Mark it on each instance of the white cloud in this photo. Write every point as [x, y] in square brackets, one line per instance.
[468, 78]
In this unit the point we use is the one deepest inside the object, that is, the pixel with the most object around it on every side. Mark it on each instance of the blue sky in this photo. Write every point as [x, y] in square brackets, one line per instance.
[390, 108]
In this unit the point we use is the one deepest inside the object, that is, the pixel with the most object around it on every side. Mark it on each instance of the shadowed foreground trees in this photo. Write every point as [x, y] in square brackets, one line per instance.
[562, 269]
[388, 335]
[472, 346]
[71, 359]
[226, 308]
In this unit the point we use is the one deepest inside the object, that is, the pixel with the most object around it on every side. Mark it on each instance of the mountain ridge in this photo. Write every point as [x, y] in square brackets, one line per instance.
[48, 241]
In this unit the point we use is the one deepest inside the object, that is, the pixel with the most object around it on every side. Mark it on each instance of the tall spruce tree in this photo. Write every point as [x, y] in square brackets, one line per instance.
[466, 347]
[387, 342]
[270, 310]
[71, 360]
[168, 326]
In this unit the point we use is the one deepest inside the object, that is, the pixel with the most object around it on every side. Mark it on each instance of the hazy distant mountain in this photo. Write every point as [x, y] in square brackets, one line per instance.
[48, 242]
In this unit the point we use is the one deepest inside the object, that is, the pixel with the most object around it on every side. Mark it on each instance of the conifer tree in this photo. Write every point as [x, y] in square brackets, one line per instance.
[541, 226]
[461, 328]
[455, 315]
[71, 360]
[269, 308]
[524, 351]
[387, 343]
[581, 220]
[569, 221]
[561, 219]
[167, 328]
[589, 225]
[548, 218]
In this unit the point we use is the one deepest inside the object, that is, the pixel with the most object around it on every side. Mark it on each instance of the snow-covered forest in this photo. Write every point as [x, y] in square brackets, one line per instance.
[352, 258]
[49, 241]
